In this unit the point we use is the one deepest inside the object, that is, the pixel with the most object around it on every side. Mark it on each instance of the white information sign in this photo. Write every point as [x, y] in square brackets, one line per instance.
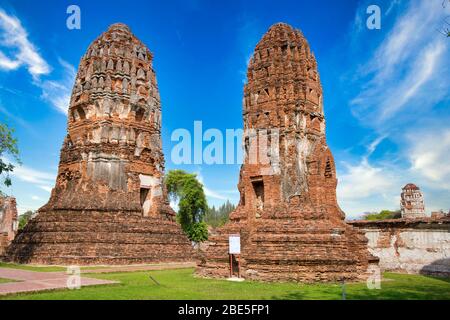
[235, 244]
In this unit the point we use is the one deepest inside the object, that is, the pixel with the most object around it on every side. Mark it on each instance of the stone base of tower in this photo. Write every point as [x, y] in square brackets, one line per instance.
[290, 250]
[99, 238]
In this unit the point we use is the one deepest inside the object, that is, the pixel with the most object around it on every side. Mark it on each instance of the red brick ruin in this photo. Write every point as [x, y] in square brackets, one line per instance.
[290, 224]
[109, 205]
[9, 222]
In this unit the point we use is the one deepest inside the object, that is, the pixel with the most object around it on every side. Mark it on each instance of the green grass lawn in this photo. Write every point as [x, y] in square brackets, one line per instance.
[6, 280]
[182, 284]
[31, 268]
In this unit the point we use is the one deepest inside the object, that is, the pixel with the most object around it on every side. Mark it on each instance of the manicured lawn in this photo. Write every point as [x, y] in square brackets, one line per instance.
[6, 280]
[31, 268]
[181, 284]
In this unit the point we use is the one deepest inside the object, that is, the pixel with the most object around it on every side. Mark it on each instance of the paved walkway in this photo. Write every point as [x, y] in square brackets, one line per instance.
[31, 281]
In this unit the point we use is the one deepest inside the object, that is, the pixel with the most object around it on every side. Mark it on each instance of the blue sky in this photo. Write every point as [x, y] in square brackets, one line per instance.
[386, 92]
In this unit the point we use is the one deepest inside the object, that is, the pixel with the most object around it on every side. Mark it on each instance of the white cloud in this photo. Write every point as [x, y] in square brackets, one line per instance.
[21, 52]
[43, 180]
[402, 88]
[212, 194]
[408, 69]
[392, 5]
[8, 64]
[369, 186]
[46, 188]
[21, 209]
[422, 72]
[429, 154]
[58, 92]
[14, 38]
[28, 174]
[363, 180]
[208, 192]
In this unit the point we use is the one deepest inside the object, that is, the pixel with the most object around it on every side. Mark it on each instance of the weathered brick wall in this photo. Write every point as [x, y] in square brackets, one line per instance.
[8, 221]
[410, 245]
[89, 238]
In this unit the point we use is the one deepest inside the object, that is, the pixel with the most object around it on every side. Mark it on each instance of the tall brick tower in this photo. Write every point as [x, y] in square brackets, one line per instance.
[112, 157]
[109, 204]
[290, 224]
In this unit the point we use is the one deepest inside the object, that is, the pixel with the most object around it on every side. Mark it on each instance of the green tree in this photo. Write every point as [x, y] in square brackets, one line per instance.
[198, 232]
[218, 217]
[192, 203]
[382, 215]
[8, 147]
[24, 218]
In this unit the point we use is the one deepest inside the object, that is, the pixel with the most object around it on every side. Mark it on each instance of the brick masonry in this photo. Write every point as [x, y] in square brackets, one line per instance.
[9, 221]
[419, 245]
[290, 224]
[109, 204]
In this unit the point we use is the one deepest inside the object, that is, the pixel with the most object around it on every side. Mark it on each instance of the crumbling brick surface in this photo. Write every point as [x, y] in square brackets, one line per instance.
[290, 224]
[9, 221]
[89, 238]
[412, 204]
[420, 245]
[109, 204]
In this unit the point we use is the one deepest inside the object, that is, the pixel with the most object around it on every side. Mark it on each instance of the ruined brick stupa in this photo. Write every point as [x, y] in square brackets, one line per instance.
[290, 224]
[109, 205]
[412, 204]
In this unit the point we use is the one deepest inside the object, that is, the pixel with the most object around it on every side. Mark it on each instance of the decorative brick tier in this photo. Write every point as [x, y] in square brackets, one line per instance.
[89, 238]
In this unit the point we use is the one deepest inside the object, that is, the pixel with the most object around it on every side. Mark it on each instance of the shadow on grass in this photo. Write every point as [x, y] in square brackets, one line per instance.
[437, 269]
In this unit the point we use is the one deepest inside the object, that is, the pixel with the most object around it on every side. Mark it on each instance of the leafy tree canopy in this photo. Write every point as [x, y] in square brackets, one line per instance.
[383, 214]
[218, 217]
[8, 147]
[24, 218]
[192, 204]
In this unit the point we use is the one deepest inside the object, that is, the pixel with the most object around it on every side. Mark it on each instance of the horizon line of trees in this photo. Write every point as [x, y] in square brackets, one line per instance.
[383, 214]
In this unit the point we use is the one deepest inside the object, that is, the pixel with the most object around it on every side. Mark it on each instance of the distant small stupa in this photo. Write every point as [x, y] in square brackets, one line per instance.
[412, 204]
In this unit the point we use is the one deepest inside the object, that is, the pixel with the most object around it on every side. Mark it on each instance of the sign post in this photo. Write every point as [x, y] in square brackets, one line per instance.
[234, 242]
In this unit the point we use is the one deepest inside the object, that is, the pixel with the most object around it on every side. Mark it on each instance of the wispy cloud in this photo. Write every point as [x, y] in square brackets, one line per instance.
[208, 192]
[58, 92]
[407, 70]
[46, 188]
[363, 180]
[400, 86]
[18, 120]
[430, 156]
[22, 52]
[31, 175]
[391, 7]
[248, 36]
[43, 180]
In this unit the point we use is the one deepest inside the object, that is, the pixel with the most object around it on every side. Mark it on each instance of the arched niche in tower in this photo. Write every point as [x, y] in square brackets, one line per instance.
[140, 112]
